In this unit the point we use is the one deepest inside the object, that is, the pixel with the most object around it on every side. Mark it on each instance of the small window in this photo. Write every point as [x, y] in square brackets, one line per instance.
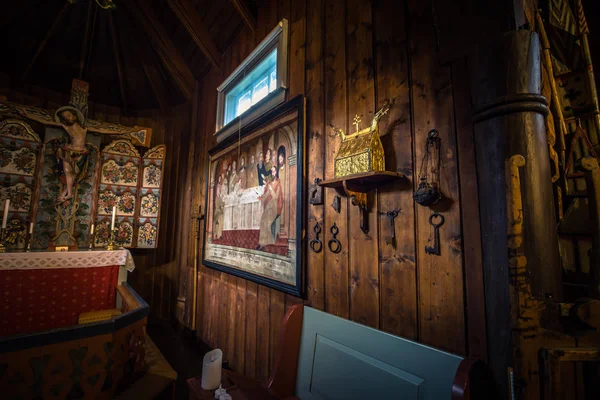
[256, 86]
[252, 88]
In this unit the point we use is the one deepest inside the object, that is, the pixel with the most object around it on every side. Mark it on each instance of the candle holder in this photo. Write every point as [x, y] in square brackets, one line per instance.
[29, 239]
[91, 245]
[2, 238]
[111, 240]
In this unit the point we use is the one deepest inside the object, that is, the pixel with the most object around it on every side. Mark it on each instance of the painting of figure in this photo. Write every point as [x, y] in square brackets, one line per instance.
[272, 204]
[254, 203]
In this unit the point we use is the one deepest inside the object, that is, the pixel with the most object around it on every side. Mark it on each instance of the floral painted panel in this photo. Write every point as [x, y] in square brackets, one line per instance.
[18, 157]
[125, 173]
[17, 129]
[152, 175]
[126, 203]
[147, 233]
[124, 234]
[19, 150]
[102, 232]
[107, 199]
[133, 184]
[121, 147]
[123, 198]
[19, 194]
[149, 214]
[16, 230]
[149, 204]
[156, 153]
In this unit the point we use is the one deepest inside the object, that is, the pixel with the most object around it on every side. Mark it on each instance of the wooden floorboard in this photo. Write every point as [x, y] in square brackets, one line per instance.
[182, 351]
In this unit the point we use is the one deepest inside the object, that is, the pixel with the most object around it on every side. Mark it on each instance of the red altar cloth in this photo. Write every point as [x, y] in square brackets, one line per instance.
[40, 299]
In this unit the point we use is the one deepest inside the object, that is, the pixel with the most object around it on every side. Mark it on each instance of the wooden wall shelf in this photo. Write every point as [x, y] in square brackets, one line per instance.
[357, 186]
[363, 183]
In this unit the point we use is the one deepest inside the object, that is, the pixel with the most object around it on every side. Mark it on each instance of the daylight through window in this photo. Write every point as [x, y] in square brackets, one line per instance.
[254, 87]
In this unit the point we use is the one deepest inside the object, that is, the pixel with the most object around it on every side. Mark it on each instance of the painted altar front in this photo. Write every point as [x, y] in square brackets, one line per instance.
[42, 290]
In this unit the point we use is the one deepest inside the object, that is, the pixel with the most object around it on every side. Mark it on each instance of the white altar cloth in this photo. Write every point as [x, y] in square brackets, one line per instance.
[66, 259]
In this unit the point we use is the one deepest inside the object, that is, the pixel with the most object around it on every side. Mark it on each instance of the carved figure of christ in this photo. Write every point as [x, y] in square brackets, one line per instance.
[71, 154]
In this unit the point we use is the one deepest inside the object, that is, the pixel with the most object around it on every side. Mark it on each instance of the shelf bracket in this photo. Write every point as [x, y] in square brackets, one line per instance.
[359, 200]
[357, 186]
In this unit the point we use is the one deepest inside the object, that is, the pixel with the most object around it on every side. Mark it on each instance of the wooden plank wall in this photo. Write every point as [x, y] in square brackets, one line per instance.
[156, 274]
[348, 57]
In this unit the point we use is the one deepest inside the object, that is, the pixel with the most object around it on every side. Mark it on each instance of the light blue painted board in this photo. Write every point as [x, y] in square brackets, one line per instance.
[358, 369]
[340, 359]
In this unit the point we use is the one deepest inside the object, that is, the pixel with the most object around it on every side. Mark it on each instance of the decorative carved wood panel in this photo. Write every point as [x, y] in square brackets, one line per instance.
[150, 194]
[119, 178]
[19, 150]
[133, 183]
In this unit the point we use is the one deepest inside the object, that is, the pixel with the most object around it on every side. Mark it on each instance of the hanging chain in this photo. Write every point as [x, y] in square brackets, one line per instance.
[430, 174]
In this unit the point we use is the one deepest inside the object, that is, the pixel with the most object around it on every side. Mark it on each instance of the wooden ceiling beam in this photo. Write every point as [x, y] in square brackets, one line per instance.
[164, 47]
[90, 23]
[156, 85]
[91, 45]
[115, 43]
[191, 20]
[244, 11]
[49, 34]
[143, 51]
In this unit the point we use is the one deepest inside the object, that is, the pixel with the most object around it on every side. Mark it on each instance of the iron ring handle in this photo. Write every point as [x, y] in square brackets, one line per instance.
[316, 245]
[338, 246]
[334, 230]
[317, 228]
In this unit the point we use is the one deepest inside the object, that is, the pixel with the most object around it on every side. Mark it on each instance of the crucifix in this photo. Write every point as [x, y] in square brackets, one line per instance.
[72, 160]
[72, 157]
[357, 121]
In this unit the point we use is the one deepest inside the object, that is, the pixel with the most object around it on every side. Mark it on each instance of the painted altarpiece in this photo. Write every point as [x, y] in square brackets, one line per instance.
[19, 149]
[118, 175]
[133, 184]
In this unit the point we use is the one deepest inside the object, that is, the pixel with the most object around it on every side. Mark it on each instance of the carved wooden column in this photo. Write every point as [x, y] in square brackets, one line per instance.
[509, 120]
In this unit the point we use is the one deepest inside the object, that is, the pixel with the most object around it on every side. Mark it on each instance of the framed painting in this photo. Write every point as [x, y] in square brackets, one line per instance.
[253, 223]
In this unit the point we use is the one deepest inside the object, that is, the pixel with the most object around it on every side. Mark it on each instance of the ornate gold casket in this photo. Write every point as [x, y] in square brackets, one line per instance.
[361, 151]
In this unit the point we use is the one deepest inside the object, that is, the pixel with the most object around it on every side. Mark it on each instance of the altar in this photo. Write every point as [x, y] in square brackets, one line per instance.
[243, 209]
[42, 290]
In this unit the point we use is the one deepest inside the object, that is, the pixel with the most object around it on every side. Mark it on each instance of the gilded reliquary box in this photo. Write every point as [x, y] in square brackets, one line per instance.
[361, 151]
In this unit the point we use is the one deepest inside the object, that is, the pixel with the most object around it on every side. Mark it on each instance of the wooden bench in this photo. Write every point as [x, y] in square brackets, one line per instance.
[326, 357]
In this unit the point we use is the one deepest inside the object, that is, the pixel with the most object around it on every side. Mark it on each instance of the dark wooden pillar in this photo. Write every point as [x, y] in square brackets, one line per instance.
[509, 119]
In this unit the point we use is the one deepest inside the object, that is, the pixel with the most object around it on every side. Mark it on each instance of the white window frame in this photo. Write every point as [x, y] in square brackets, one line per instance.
[277, 38]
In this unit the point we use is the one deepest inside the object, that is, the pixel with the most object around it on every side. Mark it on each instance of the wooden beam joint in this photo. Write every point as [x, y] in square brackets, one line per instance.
[191, 20]
[163, 46]
[115, 43]
[242, 9]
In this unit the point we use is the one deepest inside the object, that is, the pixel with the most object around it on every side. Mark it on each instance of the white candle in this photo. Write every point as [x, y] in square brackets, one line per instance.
[211, 369]
[5, 215]
[31, 228]
[114, 215]
[92, 230]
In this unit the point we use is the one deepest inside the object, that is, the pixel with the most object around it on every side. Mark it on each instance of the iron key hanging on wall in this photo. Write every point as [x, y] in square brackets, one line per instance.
[435, 250]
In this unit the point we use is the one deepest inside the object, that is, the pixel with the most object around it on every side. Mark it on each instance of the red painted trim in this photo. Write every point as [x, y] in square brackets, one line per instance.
[460, 386]
[283, 379]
